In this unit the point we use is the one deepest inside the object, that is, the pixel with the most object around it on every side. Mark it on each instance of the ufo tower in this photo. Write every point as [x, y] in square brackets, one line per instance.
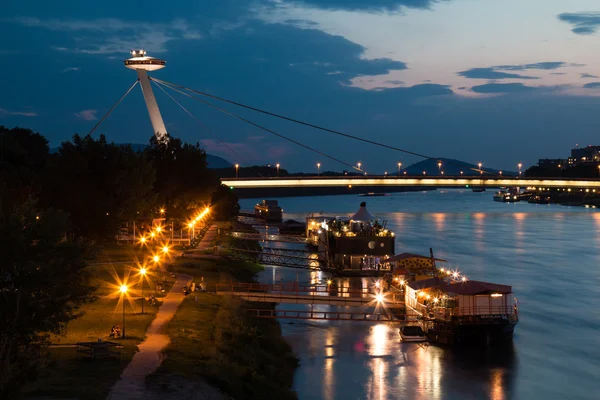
[142, 64]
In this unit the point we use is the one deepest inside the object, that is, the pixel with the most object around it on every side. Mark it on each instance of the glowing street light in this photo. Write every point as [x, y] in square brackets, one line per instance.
[480, 170]
[165, 249]
[359, 164]
[237, 168]
[123, 290]
[277, 169]
[399, 165]
[519, 165]
[158, 229]
[143, 240]
[143, 275]
[318, 168]
[162, 210]
[156, 258]
[379, 298]
[152, 234]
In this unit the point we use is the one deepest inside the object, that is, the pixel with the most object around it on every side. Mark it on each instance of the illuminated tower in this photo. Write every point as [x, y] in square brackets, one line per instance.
[142, 64]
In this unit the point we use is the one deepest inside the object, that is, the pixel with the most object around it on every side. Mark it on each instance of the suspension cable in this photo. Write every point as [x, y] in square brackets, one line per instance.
[112, 108]
[210, 131]
[257, 125]
[315, 126]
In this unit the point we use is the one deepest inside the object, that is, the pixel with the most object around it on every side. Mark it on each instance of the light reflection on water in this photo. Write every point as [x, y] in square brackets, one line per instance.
[549, 254]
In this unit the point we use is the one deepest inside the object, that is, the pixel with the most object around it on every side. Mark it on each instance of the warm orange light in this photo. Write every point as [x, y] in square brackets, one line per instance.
[123, 289]
[142, 239]
[158, 229]
[156, 258]
[190, 225]
[165, 249]
[152, 234]
[143, 271]
[162, 210]
[379, 298]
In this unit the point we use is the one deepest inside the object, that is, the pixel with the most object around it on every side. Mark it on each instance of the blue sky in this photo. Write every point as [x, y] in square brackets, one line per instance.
[491, 81]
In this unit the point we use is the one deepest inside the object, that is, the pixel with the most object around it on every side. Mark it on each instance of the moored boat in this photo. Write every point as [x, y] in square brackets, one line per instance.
[412, 333]
[269, 210]
[506, 197]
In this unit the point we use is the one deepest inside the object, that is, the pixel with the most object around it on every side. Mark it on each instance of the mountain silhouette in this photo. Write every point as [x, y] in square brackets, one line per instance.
[449, 166]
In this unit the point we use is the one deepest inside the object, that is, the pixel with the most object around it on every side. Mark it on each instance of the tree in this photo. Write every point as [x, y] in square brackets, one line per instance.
[23, 157]
[43, 281]
[99, 184]
[224, 203]
[183, 180]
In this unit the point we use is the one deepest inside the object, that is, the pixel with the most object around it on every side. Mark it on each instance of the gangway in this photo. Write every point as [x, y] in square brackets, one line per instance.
[293, 293]
[272, 238]
[292, 258]
[330, 315]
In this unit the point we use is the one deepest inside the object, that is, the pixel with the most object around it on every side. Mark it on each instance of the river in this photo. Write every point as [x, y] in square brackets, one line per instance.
[550, 255]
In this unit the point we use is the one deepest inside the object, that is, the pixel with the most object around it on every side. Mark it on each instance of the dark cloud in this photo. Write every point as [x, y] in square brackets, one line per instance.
[587, 76]
[592, 85]
[540, 65]
[496, 72]
[502, 88]
[491, 73]
[584, 23]
[353, 5]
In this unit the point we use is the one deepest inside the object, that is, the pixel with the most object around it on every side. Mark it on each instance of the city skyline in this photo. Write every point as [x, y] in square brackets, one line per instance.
[498, 83]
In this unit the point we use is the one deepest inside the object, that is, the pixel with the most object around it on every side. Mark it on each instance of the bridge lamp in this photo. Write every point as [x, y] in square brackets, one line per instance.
[519, 165]
[318, 168]
[424, 173]
[439, 165]
[399, 165]
[277, 165]
[480, 170]
[359, 164]
[237, 168]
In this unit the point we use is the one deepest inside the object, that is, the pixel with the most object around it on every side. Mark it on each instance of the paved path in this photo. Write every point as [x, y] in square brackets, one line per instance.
[131, 385]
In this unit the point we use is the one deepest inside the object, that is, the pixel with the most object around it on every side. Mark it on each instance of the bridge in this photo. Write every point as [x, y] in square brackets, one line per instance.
[407, 181]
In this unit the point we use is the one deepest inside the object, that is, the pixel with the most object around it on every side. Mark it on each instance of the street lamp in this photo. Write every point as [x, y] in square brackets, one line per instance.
[143, 275]
[359, 164]
[277, 169]
[439, 166]
[165, 249]
[162, 210]
[156, 258]
[519, 165]
[318, 168]
[237, 168]
[123, 290]
[399, 165]
[480, 170]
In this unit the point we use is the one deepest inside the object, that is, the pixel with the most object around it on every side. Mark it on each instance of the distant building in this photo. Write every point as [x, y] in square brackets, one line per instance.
[552, 162]
[584, 155]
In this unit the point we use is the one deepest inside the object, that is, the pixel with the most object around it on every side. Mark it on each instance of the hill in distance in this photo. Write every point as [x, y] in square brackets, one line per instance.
[449, 166]
[213, 161]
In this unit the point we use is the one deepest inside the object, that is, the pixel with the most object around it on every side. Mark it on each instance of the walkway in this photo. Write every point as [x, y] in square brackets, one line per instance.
[131, 385]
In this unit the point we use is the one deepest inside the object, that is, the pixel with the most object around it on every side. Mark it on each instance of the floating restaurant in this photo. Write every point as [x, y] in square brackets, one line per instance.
[355, 245]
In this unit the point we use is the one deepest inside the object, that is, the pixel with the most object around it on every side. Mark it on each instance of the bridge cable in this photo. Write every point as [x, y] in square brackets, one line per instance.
[258, 126]
[112, 108]
[210, 131]
[311, 125]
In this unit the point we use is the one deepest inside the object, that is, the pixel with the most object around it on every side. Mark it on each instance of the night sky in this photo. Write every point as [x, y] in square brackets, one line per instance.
[491, 81]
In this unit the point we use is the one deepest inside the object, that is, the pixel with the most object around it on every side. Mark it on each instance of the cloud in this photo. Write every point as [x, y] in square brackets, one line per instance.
[71, 69]
[111, 35]
[87, 115]
[394, 82]
[541, 65]
[584, 23]
[502, 88]
[373, 5]
[558, 73]
[496, 72]
[491, 73]
[6, 113]
[586, 76]
[592, 85]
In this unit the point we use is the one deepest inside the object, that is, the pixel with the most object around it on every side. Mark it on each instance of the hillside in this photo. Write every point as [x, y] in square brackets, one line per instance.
[449, 166]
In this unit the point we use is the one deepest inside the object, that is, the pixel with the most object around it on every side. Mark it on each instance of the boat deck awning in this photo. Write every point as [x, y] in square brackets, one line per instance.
[468, 288]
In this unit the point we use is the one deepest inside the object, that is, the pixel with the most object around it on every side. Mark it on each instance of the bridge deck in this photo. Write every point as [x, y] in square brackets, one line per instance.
[405, 180]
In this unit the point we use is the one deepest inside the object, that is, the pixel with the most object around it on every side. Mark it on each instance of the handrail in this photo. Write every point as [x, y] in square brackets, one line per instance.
[290, 288]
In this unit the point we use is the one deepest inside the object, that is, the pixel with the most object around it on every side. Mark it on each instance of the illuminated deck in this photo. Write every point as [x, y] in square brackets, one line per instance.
[391, 181]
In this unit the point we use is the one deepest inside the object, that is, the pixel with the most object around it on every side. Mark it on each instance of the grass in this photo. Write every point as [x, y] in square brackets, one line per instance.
[213, 338]
[71, 375]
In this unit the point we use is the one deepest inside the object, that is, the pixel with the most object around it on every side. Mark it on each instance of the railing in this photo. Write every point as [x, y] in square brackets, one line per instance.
[291, 288]
[269, 237]
[329, 315]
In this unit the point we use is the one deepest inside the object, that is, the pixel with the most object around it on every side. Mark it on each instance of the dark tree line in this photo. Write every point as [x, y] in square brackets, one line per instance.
[54, 207]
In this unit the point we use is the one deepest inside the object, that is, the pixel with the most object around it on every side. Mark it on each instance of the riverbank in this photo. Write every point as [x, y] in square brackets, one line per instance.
[575, 197]
[215, 341]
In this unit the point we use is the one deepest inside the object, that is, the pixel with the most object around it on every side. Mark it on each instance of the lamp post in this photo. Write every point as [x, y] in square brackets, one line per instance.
[519, 165]
[480, 170]
[359, 164]
[439, 166]
[123, 293]
[399, 165]
[277, 169]
[237, 168]
[318, 168]
[143, 274]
